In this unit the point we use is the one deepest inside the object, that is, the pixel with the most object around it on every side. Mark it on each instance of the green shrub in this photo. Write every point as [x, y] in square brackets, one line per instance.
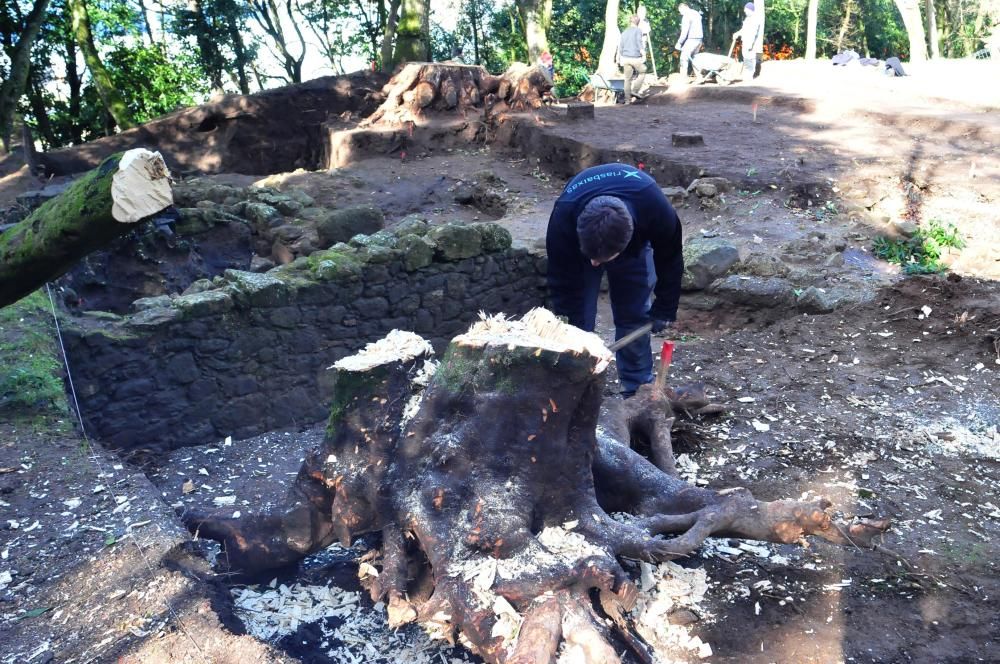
[920, 254]
[570, 78]
[31, 375]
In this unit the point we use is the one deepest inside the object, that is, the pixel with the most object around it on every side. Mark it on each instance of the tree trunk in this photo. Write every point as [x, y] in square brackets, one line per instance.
[75, 91]
[240, 52]
[493, 492]
[12, 87]
[145, 22]
[28, 146]
[100, 206]
[537, 16]
[606, 63]
[845, 24]
[388, 35]
[268, 16]
[41, 114]
[910, 11]
[112, 99]
[411, 39]
[932, 31]
[811, 20]
[211, 57]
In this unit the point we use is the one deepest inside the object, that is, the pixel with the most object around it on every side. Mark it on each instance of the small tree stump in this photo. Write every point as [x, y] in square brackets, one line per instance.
[684, 139]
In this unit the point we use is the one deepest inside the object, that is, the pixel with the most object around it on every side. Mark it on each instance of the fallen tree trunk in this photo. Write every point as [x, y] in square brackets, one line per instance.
[493, 491]
[103, 204]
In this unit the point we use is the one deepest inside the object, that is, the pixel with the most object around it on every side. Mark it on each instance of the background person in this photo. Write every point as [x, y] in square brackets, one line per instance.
[752, 35]
[690, 39]
[632, 55]
[615, 218]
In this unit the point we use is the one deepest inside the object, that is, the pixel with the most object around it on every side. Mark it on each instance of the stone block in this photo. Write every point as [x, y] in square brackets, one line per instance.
[755, 291]
[721, 185]
[417, 252]
[705, 260]
[152, 319]
[455, 242]
[183, 369]
[207, 303]
[343, 224]
[676, 195]
[494, 236]
[257, 289]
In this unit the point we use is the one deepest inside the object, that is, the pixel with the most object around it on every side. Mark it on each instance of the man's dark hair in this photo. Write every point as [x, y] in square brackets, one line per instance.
[604, 227]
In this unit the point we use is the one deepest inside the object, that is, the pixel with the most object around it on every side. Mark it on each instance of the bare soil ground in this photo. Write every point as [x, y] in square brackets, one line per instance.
[889, 408]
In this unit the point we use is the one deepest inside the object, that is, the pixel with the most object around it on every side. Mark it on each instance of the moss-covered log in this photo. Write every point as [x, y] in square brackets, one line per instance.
[103, 204]
[493, 492]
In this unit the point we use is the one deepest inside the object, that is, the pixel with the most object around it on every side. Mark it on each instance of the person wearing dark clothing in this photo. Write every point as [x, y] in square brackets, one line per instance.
[615, 218]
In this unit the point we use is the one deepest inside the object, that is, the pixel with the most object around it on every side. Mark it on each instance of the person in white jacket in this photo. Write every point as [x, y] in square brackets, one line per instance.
[691, 37]
[752, 35]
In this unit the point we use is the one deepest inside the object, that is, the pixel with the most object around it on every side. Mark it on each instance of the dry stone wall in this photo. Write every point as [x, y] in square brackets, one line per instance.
[251, 353]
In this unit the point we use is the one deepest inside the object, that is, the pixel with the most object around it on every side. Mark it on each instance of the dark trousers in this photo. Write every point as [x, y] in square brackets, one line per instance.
[631, 281]
[751, 65]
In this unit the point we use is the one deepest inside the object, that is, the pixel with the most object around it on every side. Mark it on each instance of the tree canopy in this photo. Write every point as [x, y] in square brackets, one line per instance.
[79, 69]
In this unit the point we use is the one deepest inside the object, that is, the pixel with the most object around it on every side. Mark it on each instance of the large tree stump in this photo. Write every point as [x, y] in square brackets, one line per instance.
[103, 204]
[422, 90]
[492, 491]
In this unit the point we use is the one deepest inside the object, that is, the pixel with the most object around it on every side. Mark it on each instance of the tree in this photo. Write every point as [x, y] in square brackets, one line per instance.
[114, 101]
[932, 31]
[537, 17]
[389, 35]
[845, 24]
[910, 11]
[612, 34]
[269, 18]
[14, 83]
[413, 32]
[813, 12]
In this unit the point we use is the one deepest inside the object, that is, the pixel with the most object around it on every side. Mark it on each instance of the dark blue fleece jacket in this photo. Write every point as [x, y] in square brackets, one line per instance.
[655, 222]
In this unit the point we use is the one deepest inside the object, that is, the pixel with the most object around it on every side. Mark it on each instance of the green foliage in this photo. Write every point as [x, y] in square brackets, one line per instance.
[920, 254]
[155, 82]
[570, 79]
[31, 383]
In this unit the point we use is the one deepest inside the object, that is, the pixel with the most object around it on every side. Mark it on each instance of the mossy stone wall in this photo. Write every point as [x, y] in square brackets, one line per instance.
[251, 355]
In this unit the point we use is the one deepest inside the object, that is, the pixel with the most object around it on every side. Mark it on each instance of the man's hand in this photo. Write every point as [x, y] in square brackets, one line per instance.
[659, 326]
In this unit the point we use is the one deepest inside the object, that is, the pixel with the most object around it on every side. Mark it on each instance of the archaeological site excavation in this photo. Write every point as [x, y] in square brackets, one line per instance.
[317, 402]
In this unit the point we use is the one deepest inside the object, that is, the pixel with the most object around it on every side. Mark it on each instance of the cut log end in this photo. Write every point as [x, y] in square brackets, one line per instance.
[538, 329]
[397, 346]
[141, 187]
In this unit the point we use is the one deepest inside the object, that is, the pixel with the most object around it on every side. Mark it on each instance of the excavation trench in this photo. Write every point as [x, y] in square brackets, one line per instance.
[224, 324]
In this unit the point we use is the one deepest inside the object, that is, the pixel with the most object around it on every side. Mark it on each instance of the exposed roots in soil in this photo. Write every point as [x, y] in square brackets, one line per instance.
[494, 494]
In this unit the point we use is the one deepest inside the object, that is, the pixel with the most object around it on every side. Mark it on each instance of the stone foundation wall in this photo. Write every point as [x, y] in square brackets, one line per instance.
[251, 354]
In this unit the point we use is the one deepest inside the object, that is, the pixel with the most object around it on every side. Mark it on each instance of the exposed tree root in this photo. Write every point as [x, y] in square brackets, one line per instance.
[494, 499]
[423, 89]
